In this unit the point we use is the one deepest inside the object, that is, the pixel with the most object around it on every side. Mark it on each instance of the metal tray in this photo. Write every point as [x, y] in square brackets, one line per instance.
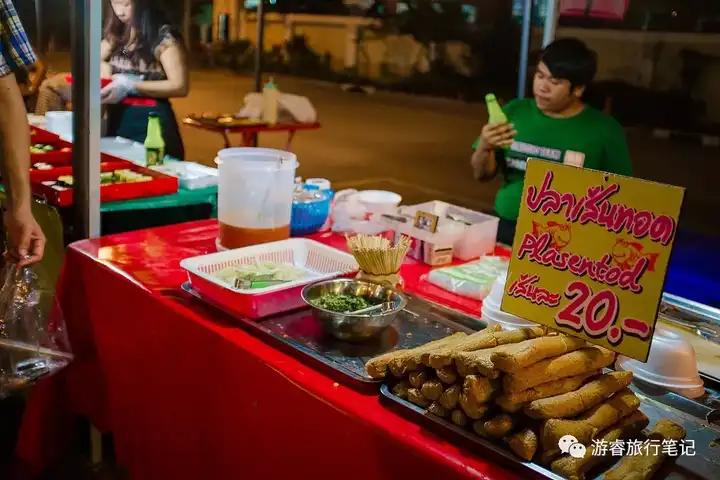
[693, 416]
[300, 333]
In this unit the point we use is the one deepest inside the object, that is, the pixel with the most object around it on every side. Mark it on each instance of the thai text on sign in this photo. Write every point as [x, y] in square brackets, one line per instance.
[590, 254]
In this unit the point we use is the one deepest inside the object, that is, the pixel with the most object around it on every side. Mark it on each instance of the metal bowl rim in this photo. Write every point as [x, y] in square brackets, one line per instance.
[303, 295]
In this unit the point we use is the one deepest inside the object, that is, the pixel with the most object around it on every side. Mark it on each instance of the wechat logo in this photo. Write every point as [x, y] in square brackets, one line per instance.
[570, 444]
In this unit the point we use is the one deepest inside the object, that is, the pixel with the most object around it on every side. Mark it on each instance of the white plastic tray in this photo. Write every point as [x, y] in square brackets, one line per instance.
[319, 261]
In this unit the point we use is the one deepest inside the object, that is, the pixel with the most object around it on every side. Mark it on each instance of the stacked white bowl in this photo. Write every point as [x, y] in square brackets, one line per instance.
[491, 312]
[671, 365]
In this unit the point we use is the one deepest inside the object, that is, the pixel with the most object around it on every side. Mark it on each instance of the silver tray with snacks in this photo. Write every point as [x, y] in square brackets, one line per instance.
[700, 420]
[301, 334]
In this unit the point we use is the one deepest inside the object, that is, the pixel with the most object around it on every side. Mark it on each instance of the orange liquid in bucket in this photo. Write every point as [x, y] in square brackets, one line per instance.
[237, 237]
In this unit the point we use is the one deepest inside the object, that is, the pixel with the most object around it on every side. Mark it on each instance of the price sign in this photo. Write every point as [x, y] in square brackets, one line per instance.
[591, 253]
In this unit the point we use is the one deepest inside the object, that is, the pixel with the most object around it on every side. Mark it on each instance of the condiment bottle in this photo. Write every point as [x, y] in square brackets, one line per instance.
[154, 142]
[271, 103]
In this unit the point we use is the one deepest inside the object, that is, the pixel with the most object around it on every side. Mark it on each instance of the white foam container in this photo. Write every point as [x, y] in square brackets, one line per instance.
[476, 240]
[191, 175]
[671, 365]
[318, 261]
[491, 312]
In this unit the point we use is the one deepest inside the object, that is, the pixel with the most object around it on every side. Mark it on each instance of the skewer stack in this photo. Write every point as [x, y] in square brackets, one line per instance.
[378, 258]
[528, 388]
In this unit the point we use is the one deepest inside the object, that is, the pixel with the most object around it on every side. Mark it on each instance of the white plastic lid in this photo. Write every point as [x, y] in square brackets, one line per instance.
[319, 183]
[671, 364]
[258, 158]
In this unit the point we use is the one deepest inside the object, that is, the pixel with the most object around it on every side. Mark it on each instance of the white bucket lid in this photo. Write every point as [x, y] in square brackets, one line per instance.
[491, 313]
[258, 158]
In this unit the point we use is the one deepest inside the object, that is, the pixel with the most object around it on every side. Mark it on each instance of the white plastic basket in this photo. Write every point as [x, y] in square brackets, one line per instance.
[319, 261]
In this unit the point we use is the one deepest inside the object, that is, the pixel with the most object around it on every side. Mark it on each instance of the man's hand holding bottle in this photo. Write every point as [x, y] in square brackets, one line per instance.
[497, 135]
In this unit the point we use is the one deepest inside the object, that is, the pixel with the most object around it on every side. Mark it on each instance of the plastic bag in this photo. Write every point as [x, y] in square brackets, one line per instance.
[33, 337]
[473, 280]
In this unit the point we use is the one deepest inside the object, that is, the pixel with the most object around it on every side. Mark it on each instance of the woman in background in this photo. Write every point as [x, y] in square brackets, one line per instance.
[147, 59]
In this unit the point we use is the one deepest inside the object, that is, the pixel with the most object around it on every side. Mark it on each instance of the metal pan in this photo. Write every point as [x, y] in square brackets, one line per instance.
[301, 334]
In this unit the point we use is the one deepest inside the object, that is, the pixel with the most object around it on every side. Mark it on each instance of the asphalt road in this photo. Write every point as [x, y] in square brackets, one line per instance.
[421, 147]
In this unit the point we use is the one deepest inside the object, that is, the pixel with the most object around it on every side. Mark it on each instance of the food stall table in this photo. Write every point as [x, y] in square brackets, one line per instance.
[249, 130]
[190, 395]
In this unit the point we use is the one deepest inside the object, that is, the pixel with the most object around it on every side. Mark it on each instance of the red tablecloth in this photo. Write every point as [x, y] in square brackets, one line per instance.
[189, 396]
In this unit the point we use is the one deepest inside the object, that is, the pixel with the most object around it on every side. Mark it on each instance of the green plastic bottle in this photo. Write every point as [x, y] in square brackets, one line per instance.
[154, 141]
[495, 112]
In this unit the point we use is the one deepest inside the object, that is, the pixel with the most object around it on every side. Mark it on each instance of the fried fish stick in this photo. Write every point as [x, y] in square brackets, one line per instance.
[643, 467]
[480, 360]
[514, 402]
[549, 456]
[499, 425]
[436, 409]
[459, 418]
[464, 371]
[524, 444]
[414, 396]
[447, 375]
[471, 408]
[576, 468]
[450, 397]
[401, 389]
[478, 388]
[432, 389]
[408, 360]
[486, 339]
[532, 351]
[574, 403]
[567, 365]
[416, 379]
[595, 420]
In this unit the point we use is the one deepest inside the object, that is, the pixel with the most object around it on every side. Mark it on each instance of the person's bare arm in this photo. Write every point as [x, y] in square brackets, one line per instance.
[105, 50]
[483, 163]
[15, 134]
[483, 160]
[37, 76]
[26, 242]
[174, 62]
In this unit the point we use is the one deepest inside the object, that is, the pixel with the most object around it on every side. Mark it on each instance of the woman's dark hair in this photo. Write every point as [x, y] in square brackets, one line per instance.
[570, 59]
[149, 21]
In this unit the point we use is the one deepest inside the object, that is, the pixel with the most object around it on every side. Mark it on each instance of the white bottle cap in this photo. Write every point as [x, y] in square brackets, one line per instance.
[319, 183]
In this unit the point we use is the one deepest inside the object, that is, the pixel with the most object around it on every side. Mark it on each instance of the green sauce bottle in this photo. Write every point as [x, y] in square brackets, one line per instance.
[495, 111]
[154, 142]
[496, 115]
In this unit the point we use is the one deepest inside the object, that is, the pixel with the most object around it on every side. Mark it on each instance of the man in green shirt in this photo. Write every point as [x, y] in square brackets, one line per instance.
[555, 125]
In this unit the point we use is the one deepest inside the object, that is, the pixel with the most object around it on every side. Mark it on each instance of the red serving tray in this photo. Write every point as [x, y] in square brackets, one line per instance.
[39, 135]
[161, 185]
[60, 155]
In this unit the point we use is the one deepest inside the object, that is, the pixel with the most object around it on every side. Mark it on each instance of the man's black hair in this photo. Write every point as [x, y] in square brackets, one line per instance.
[570, 59]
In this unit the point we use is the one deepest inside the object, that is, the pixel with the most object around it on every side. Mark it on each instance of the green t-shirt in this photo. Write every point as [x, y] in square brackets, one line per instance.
[590, 139]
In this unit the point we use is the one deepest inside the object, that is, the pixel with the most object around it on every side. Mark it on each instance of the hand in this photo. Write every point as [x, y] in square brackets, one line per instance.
[497, 135]
[26, 241]
[121, 87]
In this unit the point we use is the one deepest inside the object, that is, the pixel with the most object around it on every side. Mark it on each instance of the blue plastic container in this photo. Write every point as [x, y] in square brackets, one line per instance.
[308, 216]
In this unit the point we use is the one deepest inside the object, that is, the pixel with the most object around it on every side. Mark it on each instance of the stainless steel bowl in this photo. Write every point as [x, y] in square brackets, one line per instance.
[350, 327]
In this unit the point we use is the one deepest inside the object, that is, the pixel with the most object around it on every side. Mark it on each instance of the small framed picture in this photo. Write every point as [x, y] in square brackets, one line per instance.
[426, 221]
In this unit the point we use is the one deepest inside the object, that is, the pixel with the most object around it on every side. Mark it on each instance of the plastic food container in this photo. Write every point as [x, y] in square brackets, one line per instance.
[318, 261]
[475, 239]
[255, 195]
[491, 312]
[308, 216]
[671, 365]
[473, 279]
[192, 176]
